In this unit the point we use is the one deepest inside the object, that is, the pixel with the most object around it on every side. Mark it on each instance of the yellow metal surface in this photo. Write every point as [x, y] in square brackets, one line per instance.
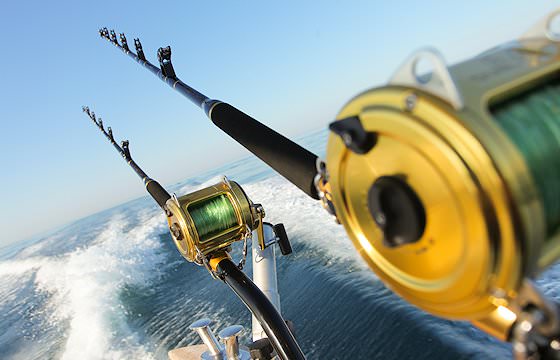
[498, 323]
[484, 218]
[216, 258]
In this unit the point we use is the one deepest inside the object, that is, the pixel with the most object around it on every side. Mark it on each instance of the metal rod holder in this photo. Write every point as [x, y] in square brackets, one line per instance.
[230, 338]
[202, 328]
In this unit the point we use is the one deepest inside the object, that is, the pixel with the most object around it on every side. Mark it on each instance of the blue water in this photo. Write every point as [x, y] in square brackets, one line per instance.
[112, 286]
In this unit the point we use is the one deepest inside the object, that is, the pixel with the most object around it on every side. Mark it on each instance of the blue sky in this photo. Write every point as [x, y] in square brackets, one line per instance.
[291, 64]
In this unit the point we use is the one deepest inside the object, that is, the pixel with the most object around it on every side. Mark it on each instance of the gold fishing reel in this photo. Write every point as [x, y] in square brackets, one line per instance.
[441, 197]
[206, 222]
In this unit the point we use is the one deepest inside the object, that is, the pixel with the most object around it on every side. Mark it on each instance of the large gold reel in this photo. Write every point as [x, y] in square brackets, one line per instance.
[476, 213]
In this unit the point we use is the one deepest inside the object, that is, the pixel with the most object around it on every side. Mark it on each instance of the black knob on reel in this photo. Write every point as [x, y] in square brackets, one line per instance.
[397, 210]
[283, 241]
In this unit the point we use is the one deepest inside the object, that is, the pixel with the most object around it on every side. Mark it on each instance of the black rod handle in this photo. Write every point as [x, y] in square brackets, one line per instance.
[270, 319]
[290, 160]
[158, 193]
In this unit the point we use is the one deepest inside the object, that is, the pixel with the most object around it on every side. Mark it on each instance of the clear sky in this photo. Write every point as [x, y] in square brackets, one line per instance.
[291, 64]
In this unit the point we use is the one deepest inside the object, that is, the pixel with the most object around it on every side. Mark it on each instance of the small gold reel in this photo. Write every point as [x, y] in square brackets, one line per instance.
[206, 222]
[438, 197]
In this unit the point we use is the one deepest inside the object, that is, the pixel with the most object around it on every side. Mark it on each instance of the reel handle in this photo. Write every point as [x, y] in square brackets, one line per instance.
[283, 241]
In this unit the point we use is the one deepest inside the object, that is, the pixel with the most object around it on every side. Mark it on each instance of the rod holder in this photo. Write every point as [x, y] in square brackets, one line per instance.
[230, 338]
[202, 328]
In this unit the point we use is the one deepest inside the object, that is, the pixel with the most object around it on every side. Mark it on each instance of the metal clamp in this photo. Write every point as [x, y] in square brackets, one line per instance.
[243, 260]
[321, 182]
[258, 210]
[439, 83]
[202, 260]
[536, 333]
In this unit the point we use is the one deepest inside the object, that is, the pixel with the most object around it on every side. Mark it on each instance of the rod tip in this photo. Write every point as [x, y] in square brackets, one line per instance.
[104, 33]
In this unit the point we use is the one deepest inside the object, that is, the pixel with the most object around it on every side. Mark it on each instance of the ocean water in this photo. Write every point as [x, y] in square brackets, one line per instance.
[112, 286]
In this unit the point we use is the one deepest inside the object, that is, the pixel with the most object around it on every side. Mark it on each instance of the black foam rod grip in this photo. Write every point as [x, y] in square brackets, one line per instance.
[292, 161]
[157, 191]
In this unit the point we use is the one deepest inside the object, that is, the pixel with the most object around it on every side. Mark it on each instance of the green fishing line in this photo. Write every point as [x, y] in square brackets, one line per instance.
[212, 216]
[532, 121]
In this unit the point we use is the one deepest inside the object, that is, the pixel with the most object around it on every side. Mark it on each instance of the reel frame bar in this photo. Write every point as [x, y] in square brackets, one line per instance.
[158, 193]
[295, 163]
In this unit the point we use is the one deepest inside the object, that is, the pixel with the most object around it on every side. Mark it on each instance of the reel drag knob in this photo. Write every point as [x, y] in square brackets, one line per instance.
[397, 210]
[283, 241]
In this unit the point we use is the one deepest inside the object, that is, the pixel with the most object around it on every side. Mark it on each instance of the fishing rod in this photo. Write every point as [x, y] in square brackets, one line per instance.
[204, 225]
[292, 161]
[158, 193]
[447, 182]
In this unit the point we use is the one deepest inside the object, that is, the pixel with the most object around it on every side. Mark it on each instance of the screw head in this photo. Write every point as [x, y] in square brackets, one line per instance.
[176, 231]
[347, 138]
[410, 102]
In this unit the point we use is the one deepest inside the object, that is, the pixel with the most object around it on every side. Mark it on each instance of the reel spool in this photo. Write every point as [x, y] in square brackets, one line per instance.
[448, 183]
[209, 220]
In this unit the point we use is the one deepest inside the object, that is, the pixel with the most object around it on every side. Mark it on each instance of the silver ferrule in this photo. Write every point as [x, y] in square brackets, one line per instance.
[229, 336]
[202, 328]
